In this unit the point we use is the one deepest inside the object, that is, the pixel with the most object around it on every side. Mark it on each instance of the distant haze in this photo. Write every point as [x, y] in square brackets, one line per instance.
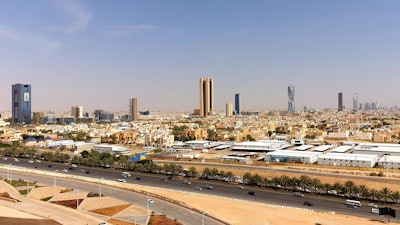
[99, 54]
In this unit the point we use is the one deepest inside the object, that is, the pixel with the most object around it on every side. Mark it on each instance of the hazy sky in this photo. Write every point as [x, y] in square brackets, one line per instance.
[100, 53]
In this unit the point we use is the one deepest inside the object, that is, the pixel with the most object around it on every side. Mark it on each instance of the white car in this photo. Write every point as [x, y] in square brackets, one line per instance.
[121, 180]
[150, 200]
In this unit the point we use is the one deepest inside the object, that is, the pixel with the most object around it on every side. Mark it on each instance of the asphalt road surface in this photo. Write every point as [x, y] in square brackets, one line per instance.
[186, 216]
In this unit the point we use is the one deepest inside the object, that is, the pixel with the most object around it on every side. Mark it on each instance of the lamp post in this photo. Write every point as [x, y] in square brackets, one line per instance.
[55, 179]
[134, 216]
[27, 189]
[147, 202]
[202, 218]
[77, 200]
[100, 181]
[9, 173]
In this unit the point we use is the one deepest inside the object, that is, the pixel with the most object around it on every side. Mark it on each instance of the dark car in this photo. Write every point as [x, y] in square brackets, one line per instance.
[208, 187]
[251, 193]
[138, 178]
[308, 203]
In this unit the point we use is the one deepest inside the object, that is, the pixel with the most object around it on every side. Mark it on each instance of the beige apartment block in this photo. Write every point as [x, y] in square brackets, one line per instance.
[124, 137]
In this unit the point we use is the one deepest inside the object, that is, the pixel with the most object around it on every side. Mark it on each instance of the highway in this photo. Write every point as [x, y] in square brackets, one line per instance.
[187, 216]
[274, 169]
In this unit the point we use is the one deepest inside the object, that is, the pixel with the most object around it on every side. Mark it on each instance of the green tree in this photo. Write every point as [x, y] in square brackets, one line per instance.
[395, 196]
[349, 186]
[363, 190]
[192, 171]
[374, 193]
[385, 193]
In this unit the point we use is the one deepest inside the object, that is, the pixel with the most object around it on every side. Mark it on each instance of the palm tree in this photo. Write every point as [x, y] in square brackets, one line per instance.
[327, 187]
[284, 180]
[337, 186]
[192, 171]
[257, 179]
[229, 176]
[385, 192]
[247, 178]
[316, 183]
[395, 196]
[304, 181]
[374, 194]
[363, 190]
[206, 172]
[349, 186]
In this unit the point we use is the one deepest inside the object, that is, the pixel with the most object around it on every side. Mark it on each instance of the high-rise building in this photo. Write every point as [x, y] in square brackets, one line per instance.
[237, 104]
[133, 108]
[229, 109]
[206, 96]
[340, 101]
[77, 111]
[21, 103]
[355, 102]
[37, 117]
[291, 105]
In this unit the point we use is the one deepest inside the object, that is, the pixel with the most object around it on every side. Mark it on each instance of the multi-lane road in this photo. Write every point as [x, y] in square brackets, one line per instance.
[184, 215]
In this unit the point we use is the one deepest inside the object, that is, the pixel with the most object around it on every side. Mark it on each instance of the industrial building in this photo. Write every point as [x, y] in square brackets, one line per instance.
[112, 149]
[343, 159]
[199, 145]
[292, 156]
[377, 149]
[260, 146]
[389, 162]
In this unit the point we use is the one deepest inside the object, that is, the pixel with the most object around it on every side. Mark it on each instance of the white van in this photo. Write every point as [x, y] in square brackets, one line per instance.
[374, 210]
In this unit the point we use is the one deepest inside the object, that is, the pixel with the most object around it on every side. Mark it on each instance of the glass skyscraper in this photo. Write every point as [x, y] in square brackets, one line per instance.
[291, 105]
[21, 103]
[355, 102]
[340, 101]
[237, 104]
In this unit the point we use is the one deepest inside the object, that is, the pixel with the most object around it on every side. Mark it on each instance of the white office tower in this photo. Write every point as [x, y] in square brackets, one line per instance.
[77, 111]
[229, 109]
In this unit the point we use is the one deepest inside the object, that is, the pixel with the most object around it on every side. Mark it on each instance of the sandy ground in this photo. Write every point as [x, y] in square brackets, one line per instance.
[247, 212]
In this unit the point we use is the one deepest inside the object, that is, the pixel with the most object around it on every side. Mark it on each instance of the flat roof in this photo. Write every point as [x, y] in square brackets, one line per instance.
[222, 147]
[322, 148]
[378, 147]
[342, 149]
[303, 147]
[346, 156]
[293, 153]
[390, 158]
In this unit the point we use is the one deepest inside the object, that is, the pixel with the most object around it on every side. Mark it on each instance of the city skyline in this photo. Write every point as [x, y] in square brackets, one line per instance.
[99, 54]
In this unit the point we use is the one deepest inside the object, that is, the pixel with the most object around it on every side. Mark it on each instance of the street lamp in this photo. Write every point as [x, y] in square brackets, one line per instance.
[9, 173]
[202, 218]
[147, 202]
[27, 189]
[134, 216]
[100, 180]
[55, 179]
[77, 200]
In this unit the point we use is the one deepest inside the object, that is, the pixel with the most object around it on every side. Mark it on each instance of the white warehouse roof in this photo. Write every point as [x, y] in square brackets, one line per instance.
[345, 156]
[293, 153]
